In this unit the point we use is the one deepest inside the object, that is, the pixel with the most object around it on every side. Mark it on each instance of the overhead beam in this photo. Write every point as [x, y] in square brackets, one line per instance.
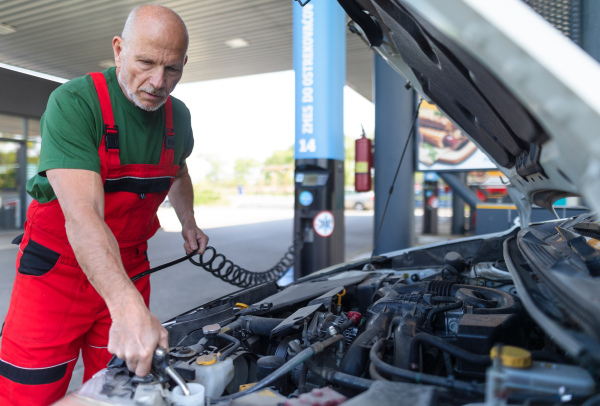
[24, 95]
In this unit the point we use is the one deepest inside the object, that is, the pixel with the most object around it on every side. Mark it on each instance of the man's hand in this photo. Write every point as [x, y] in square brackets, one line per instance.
[181, 197]
[193, 237]
[134, 335]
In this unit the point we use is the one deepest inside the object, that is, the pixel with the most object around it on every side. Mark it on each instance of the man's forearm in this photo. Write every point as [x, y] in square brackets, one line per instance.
[81, 197]
[181, 196]
[97, 253]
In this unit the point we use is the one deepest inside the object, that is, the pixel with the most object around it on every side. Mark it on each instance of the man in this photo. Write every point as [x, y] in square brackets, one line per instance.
[113, 145]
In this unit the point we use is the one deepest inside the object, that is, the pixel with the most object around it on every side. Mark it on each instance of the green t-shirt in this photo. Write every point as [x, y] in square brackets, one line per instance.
[72, 130]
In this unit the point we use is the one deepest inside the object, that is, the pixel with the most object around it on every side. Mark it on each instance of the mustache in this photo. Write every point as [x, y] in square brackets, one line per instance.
[154, 91]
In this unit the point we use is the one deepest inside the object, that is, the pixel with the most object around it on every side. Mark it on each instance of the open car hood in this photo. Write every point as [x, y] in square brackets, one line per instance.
[522, 91]
[428, 324]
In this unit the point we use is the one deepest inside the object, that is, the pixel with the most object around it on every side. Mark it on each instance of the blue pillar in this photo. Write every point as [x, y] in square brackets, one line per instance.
[590, 36]
[320, 67]
[394, 112]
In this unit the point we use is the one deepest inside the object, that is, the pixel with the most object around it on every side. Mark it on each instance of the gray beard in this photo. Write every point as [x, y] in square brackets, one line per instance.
[124, 80]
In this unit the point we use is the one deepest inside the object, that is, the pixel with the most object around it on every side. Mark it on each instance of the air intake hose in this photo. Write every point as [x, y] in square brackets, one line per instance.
[356, 359]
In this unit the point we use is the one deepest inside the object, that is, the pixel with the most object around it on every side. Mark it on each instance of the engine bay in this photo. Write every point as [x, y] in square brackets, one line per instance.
[441, 325]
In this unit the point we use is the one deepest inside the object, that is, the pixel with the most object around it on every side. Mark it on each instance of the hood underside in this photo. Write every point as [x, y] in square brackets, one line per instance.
[522, 91]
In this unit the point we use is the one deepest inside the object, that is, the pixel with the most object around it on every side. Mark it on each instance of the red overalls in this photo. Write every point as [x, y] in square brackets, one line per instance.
[54, 311]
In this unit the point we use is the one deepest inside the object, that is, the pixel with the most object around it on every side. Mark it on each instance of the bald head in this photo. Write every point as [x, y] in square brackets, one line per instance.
[150, 55]
[161, 18]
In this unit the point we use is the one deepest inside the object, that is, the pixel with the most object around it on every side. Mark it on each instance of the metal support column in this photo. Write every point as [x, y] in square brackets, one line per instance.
[431, 203]
[320, 66]
[460, 188]
[458, 208]
[590, 38]
[394, 111]
[22, 176]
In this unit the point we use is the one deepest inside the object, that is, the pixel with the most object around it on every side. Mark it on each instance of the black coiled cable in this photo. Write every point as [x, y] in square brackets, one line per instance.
[221, 267]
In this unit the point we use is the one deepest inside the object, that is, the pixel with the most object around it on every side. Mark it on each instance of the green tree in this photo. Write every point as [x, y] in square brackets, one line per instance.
[242, 168]
[278, 165]
[349, 161]
[8, 170]
[281, 157]
[215, 174]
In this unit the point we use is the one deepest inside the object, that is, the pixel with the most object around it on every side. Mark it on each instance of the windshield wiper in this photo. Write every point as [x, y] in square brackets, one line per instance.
[588, 228]
[589, 255]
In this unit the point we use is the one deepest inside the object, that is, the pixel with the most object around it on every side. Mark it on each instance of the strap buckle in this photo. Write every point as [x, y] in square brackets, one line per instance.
[111, 137]
[169, 138]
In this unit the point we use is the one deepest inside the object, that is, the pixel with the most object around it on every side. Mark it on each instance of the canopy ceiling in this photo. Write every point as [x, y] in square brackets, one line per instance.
[68, 38]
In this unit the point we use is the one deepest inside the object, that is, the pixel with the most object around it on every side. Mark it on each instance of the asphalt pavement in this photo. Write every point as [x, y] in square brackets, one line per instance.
[253, 232]
[254, 246]
[253, 235]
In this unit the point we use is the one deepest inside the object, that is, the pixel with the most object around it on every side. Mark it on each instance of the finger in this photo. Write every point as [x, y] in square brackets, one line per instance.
[163, 340]
[186, 245]
[112, 348]
[190, 238]
[143, 366]
[132, 365]
[203, 242]
[113, 343]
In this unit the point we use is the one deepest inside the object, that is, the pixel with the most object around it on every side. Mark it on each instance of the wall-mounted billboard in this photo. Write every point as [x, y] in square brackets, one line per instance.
[443, 147]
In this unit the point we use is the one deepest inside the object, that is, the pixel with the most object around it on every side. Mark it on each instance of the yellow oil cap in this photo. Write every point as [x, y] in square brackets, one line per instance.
[206, 359]
[246, 386]
[512, 357]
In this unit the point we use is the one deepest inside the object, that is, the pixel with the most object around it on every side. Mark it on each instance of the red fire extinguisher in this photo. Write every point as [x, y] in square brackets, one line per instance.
[363, 161]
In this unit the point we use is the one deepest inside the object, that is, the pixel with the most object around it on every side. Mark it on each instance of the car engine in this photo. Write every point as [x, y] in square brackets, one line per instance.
[441, 325]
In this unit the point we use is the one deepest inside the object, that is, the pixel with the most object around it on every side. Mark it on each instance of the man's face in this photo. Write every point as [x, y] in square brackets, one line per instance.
[149, 65]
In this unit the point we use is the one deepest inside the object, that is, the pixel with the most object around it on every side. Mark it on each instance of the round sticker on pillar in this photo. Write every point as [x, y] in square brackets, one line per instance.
[433, 202]
[306, 198]
[324, 224]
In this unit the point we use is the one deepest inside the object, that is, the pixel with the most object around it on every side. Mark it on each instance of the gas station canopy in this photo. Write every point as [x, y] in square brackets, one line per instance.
[68, 38]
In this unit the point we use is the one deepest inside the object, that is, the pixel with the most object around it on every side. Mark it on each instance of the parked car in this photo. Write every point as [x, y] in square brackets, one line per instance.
[354, 200]
[490, 186]
[506, 318]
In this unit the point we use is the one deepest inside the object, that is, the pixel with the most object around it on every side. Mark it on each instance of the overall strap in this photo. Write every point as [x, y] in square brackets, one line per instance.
[109, 147]
[167, 155]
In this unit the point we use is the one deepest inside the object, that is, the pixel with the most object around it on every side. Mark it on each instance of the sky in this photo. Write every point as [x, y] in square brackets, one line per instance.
[253, 116]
